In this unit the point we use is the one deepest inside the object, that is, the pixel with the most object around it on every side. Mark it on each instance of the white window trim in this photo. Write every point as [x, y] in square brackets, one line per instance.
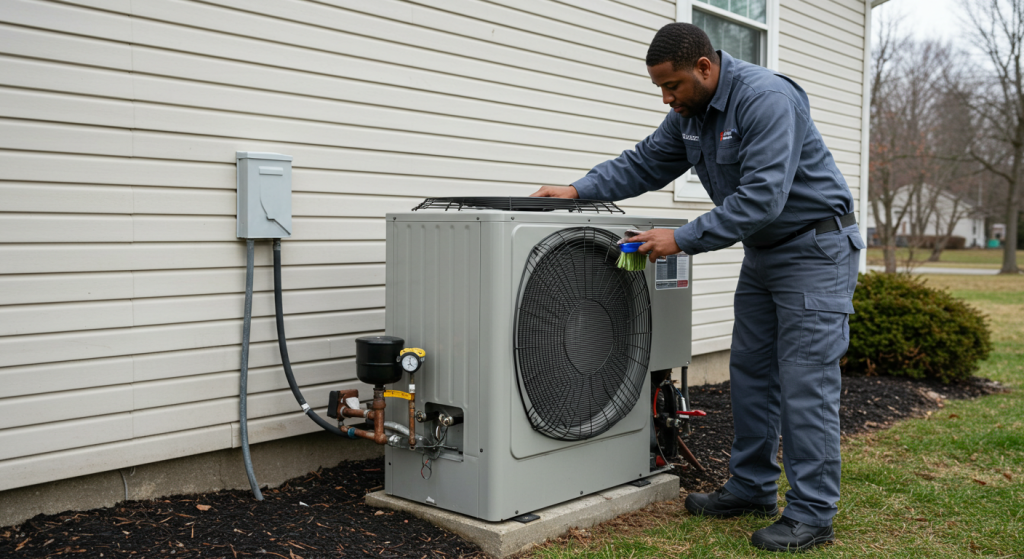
[688, 188]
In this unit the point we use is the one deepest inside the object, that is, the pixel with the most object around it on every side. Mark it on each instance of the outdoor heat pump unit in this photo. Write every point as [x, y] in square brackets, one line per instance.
[535, 386]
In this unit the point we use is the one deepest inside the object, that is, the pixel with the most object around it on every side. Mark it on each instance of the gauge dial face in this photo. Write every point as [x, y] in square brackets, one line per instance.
[410, 362]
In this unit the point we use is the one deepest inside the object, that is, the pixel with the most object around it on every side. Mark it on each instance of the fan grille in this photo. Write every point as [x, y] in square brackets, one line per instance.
[518, 204]
[582, 335]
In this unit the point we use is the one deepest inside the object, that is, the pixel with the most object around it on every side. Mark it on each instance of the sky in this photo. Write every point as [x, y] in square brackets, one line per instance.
[925, 18]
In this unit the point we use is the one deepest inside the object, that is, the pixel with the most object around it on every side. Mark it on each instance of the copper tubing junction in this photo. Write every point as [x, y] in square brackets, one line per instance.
[376, 414]
[689, 455]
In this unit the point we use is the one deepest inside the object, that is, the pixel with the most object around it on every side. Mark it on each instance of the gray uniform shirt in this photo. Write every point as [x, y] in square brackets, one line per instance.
[757, 153]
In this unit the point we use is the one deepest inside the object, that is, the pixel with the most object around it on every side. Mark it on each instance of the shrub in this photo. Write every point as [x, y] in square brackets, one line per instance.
[904, 328]
[954, 242]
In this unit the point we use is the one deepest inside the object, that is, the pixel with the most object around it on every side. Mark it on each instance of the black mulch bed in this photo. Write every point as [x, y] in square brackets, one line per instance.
[323, 514]
[866, 403]
[319, 515]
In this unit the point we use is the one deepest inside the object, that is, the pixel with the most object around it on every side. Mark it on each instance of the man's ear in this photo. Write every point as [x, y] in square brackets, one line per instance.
[703, 67]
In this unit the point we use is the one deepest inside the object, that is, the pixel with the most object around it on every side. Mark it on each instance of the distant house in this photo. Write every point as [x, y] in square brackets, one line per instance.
[969, 223]
[122, 281]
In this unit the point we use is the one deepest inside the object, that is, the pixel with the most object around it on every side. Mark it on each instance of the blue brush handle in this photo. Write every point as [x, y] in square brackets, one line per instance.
[630, 247]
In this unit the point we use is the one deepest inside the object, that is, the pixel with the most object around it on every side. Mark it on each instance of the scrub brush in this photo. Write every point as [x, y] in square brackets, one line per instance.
[631, 260]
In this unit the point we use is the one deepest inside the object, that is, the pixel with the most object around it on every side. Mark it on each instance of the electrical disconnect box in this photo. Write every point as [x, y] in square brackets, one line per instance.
[264, 195]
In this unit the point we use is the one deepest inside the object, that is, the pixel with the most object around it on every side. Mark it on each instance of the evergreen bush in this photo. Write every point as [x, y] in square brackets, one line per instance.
[904, 328]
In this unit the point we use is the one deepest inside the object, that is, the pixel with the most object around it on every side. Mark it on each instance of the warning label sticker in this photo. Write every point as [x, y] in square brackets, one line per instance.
[672, 272]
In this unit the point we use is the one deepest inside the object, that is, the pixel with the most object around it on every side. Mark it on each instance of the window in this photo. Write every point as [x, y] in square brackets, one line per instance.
[738, 40]
[747, 30]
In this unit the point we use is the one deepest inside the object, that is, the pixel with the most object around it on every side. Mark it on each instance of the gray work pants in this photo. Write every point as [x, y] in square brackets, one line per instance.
[792, 327]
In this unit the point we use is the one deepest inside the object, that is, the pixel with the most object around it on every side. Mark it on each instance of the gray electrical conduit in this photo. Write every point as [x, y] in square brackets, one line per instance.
[243, 389]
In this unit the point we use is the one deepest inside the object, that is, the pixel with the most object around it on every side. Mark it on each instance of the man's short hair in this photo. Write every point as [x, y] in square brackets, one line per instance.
[682, 44]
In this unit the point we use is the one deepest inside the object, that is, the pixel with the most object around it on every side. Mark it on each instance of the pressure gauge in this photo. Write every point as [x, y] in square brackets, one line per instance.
[411, 359]
[410, 362]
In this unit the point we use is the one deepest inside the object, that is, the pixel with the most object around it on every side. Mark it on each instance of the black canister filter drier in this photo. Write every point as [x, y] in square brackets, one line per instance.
[377, 360]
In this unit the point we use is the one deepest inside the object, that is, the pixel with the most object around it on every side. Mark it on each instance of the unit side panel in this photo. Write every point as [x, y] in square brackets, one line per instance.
[671, 317]
[434, 297]
[497, 466]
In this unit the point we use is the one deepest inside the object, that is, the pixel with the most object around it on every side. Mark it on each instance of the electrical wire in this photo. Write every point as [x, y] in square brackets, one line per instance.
[660, 451]
[125, 480]
[687, 454]
[686, 405]
[657, 443]
[243, 381]
[428, 458]
[282, 343]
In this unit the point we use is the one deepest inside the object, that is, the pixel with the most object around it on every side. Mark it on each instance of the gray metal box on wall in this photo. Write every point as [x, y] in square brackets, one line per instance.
[453, 280]
[264, 182]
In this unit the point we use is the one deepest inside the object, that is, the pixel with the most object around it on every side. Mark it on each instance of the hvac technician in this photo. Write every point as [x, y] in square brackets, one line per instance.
[748, 134]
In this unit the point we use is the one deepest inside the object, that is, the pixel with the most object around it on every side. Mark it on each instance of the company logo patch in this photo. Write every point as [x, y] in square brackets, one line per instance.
[728, 134]
[691, 138]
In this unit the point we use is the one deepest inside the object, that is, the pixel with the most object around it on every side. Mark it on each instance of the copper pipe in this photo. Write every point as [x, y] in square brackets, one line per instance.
[689, 455]
[412, 414]
[343, 396]
[352, 412]
[376, 414]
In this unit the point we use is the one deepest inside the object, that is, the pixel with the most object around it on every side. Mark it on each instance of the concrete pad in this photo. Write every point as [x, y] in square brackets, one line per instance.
[502, 539]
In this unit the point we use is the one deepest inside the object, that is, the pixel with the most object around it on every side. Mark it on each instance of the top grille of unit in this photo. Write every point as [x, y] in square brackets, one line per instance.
[518, 204]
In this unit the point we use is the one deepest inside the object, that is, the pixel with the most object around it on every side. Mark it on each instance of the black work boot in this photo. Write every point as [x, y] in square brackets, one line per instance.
[789, 535]
[723, 504]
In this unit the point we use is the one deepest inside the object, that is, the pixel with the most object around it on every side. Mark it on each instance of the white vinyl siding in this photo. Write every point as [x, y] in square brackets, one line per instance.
[821, 46]
[121, 280]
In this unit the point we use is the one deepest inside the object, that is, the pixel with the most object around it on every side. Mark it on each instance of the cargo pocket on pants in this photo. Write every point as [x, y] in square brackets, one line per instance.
[826, 331]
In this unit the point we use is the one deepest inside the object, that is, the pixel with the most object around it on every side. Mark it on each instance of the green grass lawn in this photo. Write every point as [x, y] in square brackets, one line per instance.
[948, 485]
[965, 258]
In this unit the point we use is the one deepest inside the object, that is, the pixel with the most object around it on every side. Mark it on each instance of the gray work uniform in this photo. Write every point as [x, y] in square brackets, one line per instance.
[766, 168]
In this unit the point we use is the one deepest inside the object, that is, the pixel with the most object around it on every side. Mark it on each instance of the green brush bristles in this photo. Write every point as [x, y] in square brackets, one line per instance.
[632, 261]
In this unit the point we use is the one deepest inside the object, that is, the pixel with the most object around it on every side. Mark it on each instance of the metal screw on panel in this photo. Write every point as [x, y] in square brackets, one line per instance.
[517, 512]
[581, 492]
[481, 450]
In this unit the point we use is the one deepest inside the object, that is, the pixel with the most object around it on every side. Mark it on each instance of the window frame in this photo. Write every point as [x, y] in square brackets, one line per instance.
[688, 188]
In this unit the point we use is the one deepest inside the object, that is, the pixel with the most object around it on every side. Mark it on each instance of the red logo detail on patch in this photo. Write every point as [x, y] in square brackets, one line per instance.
[682, 283]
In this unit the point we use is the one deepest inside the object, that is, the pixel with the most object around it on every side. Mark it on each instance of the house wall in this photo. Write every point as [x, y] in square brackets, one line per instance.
[821, 46]
[121, 280]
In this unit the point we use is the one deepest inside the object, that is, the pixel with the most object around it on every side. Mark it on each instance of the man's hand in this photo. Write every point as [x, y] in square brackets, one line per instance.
[659, 242]
[556, 192]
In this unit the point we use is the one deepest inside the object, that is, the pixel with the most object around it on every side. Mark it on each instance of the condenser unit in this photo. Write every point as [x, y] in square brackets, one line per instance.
[535, 385]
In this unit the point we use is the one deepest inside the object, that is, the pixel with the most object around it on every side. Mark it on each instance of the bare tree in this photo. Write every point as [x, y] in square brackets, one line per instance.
[886, 147]
[957, 176]
[997, 104]
[923, 204]
[959, 209]
[907, 85]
